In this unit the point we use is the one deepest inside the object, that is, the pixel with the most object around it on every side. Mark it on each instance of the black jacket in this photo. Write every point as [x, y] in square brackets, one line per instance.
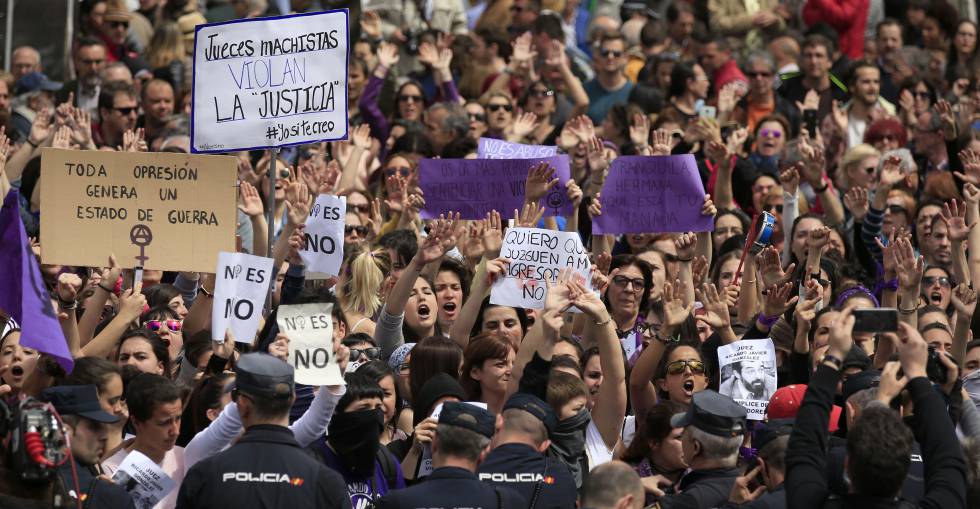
[702, 488]
[806, 458]
[265, 469]
[775, 499]
[452, 488]
[521, 468]
[96, 493]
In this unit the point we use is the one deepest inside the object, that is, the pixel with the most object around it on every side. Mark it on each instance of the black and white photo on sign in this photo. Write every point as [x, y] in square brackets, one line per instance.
[748, 374]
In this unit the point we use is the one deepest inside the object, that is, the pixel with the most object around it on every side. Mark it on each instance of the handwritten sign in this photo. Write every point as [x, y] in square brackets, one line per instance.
[537, 255]
[490, 148]
[650, 194]
[270, 82]
[324, 250]
[748, 374]
[474, 187]
[241, 284]
[310, 331]
[143, 480]
[160, 210]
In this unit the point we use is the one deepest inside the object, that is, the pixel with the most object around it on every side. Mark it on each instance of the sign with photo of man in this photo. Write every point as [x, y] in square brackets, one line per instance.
[748, 374]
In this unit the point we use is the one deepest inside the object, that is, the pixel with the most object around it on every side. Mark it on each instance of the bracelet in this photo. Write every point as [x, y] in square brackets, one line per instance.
[31, 143]
[836, 361]
[600, 324]
[767, 320]
[66, 305]
[685, 259]
[667, 341]
[908, 311]
[204, 291]
[822, 189]
[109, 290]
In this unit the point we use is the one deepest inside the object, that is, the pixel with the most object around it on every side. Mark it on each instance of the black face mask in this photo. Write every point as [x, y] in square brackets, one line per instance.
[568, 442]
[355, 437]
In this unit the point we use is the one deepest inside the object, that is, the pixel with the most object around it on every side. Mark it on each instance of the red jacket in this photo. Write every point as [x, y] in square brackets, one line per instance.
[848, 17]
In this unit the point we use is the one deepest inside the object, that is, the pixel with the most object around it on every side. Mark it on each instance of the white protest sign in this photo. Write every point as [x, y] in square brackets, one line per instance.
[241, 285]
[270, 82]
[748, 374]
[310, 331]
[324, 233]
[143, 479]
[535, 255]
[425, 467]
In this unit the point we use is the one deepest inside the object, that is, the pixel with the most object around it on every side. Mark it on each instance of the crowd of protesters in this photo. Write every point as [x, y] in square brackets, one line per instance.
[854, 123]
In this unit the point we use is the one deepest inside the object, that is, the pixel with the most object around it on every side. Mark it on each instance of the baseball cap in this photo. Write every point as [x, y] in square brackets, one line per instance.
[80, 400]
[468, 416]
[712, 413]
[34, 81]
[786, 401]
[260, 374]
[770, 431]
[534, 406]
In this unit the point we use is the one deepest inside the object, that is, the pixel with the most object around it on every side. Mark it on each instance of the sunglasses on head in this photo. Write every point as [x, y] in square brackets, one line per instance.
[542, 93]
[403, 170]
[931, 280]
[404, 98]
[371, 353]
[172, 325]
[478, 117]
[361, 230]
[498, 107]
[677, 367]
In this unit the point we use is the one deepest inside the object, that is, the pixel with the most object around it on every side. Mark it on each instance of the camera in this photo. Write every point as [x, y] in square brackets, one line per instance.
[412, 41]
[935, 370]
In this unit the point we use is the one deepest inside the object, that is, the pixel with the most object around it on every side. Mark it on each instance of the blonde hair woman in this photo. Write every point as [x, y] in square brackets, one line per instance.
[167, 56]
[361, 287]
[859, 167]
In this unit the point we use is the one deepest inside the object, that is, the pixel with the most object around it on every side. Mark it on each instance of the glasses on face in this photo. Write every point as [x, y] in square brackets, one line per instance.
[498, 107]
[119, 24]
[126, 111]
[624, 282]
[477, 117]
[542, 93]
[922, 94]
[870, 170]
[371, 353]
[172, 325]
[404, 98]
[283, 173]
[610, 53]
[931, 280]
[360, 209]
[770, 133]
[775, 208]
[361, 230]
[403, 170]
[895, 209]
[677, 367]
[759, 74]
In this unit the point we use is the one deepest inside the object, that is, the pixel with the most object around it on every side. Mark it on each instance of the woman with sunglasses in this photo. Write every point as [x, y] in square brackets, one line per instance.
[500, 114]
[478, 119]
[916, 97]
[145, 350]
[858, 168]
[488, 363]
[397, 179]
[936, 288]
[362, 347]
[167, 324]
[542, 100]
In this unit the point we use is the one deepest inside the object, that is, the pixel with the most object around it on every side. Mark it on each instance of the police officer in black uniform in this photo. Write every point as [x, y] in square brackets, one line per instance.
[719, 422]
[83, 415]
[266, 468]
[519, 461]
[460, 442]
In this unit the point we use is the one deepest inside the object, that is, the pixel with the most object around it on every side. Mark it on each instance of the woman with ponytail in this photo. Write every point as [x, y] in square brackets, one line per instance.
[361, 287]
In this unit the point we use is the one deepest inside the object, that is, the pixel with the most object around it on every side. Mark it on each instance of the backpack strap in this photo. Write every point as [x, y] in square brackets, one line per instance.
[387, 467]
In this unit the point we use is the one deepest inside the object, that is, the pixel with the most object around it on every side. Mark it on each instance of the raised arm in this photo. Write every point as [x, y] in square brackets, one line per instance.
[954, 216]
[964, 300]
[909, 268]
[131, 304]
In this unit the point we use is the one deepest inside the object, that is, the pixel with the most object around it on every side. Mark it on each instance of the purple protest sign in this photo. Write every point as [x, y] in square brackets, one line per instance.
[474, 187]
[645, 194]
[22, 292]
[490, 148]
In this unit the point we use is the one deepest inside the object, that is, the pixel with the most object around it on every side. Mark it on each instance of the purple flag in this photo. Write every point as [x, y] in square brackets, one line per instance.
[652, 194]
[22, 292]
[474, 187]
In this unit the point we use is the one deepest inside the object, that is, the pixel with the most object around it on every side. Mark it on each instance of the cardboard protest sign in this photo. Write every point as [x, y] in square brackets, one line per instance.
[324, 232]
[241, 285]
[474, 187]
[748, 374]
[650, 194]
[490, 148]
[537, 255]
[143, 479]
[160, 210]
[270, 82]
[310, 331]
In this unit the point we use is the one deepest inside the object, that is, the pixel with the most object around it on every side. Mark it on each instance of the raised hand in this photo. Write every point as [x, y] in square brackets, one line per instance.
[806, 309]
[790, 180]
[41, 128]
[110, 274]
[496, 268]
[717, 152]
[250, 202]
[818, 238]
[428, 54]
[596, 154]
[68, 286]
[595, 208]
[777, 299]
[521, 50]
[524, 124]
[583, 128]
[971, 195]
[954, 216]
[62, 138]
[539, 180]
[81, 128]
[662, 143]
[675, 312]
[947, 118]
[493, 235]
[297, 243]
[361, 136]
[971, 166]
[567, 140]
[964, 300]
[432, 247]
[388, 55]
[371, 24]
[396, 193]
[686, 243]
[587, 301]
[574, 193]
[891, 173]
[132, 303]
[771, 268]
[715, 307]
[298, 200]
[856, 201]
[529, 215]
[699, 270]
[640, 131]
[908, 266]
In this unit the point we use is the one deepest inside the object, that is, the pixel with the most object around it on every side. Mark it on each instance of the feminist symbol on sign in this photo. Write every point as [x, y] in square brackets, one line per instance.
[141, 236]
[555, 198]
